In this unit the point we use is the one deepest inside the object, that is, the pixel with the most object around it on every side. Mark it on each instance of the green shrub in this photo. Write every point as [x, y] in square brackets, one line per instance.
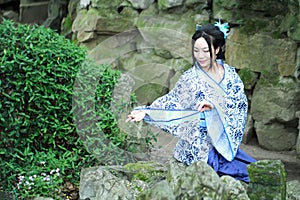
[38, 69]
[37, 76]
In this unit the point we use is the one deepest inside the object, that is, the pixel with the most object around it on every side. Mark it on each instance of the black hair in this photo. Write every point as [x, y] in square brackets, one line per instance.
[213, 36]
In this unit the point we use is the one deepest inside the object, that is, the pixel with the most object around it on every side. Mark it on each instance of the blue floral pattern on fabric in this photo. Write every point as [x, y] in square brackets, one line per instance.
[194, 141]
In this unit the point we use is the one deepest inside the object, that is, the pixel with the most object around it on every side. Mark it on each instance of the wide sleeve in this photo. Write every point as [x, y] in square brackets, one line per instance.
[179, 98]
[237, 108]
[235, 115]
[173, 112]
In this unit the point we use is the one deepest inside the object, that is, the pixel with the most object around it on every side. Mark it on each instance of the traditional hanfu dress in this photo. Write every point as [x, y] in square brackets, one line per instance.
[212, 136]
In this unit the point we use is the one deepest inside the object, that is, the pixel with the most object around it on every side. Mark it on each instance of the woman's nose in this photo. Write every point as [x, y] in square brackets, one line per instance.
[200, 55]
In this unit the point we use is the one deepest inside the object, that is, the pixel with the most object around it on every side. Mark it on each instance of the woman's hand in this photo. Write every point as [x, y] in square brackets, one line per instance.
[204, 105]
[136, 116]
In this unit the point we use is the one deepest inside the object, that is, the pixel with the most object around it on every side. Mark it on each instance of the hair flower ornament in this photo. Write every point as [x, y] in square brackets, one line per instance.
[223, 28]
[198, 27]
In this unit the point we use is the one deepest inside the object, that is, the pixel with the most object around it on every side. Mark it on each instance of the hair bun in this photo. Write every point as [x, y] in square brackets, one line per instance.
[224, 28]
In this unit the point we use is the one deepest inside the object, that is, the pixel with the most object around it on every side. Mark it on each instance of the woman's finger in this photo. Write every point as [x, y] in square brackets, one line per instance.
[204, 105]
[200, 106]
[136, 116]
[128, 119]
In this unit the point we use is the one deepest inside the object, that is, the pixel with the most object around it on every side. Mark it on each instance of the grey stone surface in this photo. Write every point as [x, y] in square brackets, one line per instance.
[298, 138]
[273, 108]
[293, 190]
[33, 11]
[150, 180]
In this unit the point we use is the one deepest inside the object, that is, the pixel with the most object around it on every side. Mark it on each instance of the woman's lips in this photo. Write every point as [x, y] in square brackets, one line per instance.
[201, 61]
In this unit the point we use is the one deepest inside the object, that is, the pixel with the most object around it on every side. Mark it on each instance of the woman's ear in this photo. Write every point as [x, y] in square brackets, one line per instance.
[217, 50]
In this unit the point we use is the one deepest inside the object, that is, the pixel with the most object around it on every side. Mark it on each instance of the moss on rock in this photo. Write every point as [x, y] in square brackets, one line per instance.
[145, 171]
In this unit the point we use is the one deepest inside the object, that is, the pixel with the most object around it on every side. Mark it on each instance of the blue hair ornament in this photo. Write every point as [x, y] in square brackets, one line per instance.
[223, 28]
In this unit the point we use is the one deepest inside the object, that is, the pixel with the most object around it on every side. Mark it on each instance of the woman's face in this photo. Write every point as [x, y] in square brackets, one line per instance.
[201, 53]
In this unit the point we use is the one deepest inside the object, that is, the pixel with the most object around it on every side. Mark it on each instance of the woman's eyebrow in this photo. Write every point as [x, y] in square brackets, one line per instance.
[203, 48]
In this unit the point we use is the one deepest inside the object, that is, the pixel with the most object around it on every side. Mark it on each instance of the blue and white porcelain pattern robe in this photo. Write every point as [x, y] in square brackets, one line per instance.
[222, 127]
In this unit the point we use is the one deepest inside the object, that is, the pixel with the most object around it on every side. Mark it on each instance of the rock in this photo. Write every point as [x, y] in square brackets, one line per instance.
[152, 74]
[298, 138]
[160, 191]
[255, 16]
[273, 108]
[34, 12]
[150, 180]
[267, 180]
[293, 190]
[89, 23]
[57, 10]
[197, 181]
[167, 31]
[275, 136]
[141, 4]
[85, 25]
[290, 23]
[201, 3]
[99, 4]
[11, 15]
[248, 77]
[6, 196]
[261, 53]
[7, 1]
[297, 68]
[136, 132]
[167, 4]
[224, 9]
[249, 130]
[235, 189]
[84, 3]
[119, 182]
[97, 184]
[43, 198]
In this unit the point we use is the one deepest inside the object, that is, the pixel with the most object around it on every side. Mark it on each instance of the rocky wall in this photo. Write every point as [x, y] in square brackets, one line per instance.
[150, 42]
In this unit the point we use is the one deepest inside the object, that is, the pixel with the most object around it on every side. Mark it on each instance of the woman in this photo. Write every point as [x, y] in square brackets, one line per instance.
[206, 110]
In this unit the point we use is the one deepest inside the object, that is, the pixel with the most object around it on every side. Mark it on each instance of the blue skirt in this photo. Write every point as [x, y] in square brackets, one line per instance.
[237, 168]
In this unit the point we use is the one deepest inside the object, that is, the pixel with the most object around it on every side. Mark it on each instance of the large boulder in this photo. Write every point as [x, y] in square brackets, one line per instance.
[267, 180]
[261, 53]
[273, 108]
